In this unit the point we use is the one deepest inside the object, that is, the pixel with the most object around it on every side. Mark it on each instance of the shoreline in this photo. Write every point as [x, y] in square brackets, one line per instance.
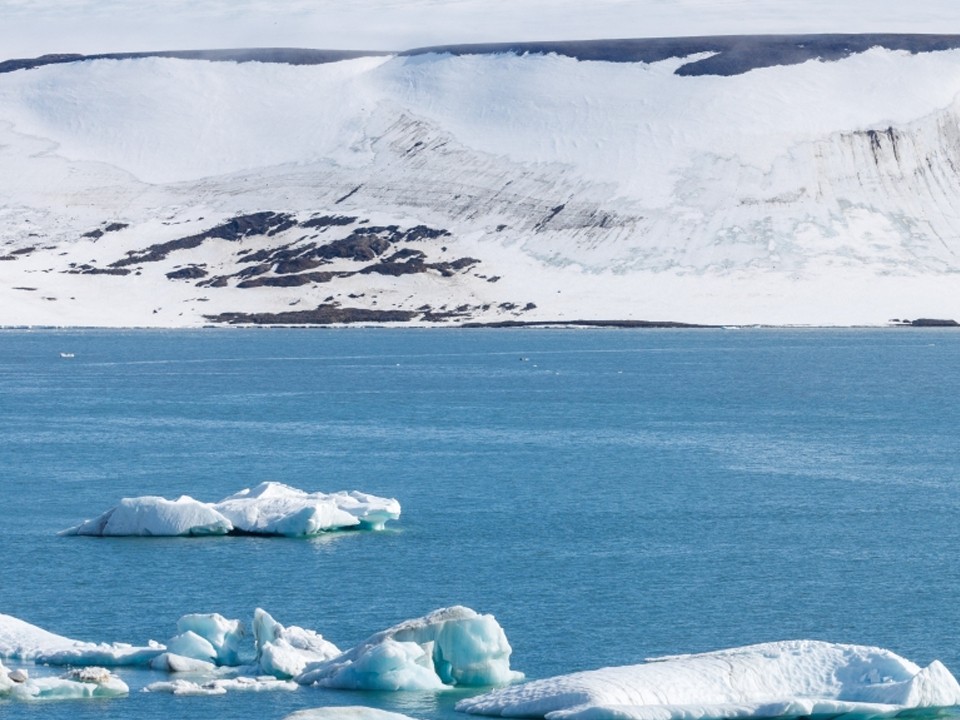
[921, 323]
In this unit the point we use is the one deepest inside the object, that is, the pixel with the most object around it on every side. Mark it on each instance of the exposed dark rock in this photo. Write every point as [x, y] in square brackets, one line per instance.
[262, 223]
[193, 272]
[289, 280]
[287, 56]
[933, 322]
[585, 323]
[328, 221]
[322, 315]
[90, 270]
[348, 195]
[729, 54]
[100, 232]
[554, 211]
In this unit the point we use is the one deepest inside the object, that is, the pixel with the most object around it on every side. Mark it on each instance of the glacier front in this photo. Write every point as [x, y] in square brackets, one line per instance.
[788, 679]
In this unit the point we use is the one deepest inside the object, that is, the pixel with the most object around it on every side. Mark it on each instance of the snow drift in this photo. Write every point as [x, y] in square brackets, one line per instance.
[268, 509]
[785, 679]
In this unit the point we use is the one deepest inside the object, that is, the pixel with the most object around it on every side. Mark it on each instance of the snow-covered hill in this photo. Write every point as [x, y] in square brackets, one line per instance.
[774, 180]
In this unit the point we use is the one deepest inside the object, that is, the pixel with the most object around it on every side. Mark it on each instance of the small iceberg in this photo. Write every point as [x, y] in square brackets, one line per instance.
[80, 683]
[453, 646]
[270, 508]
[350, 712]
[284, 652]
[789, 679]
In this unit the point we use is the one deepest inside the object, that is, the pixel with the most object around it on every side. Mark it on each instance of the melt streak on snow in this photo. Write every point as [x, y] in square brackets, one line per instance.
[785, 679]
[442, 189]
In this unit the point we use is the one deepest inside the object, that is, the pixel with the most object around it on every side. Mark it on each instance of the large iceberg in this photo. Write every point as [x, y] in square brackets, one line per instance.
[450, 646]
[270, 508]
[784, 679]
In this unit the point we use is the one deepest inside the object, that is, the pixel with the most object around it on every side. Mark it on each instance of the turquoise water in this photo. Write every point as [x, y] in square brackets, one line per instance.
[607, 495]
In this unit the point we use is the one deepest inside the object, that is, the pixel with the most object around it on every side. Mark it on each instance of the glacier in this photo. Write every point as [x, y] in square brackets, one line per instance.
[782, 679]
[476, 185]
[270, 508]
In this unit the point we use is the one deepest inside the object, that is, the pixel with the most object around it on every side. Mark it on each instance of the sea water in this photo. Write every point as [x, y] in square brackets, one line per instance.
[609, 495]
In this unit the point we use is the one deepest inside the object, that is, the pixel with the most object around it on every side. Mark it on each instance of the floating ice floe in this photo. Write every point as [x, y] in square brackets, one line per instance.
[221, 686]
[350, 712]
[79, 683]
[270, 508]
[451, 646]
[784, 679]
[22, 641]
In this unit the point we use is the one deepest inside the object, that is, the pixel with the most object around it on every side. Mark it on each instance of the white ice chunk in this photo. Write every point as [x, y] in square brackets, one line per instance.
[80, 683]
[272, 508]
[451, 646]
[221, 686]
[284, 652]
[21, 640]
[191, 645]
[784, 679]
[155, 516]
[350, 712]
[173, 663]
[223, 636]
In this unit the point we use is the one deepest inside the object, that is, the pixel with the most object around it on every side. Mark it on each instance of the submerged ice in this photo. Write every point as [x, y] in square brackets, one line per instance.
[270, 508]
[784, 679]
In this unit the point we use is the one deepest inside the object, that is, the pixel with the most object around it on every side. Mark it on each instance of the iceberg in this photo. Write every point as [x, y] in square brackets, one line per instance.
[155, 516]
[284, 652]
[210, 637]
[453, 646]
[350, 712]
[89, 682]
[270, 508]
[220, 686]
[782, 679]
[23, 641]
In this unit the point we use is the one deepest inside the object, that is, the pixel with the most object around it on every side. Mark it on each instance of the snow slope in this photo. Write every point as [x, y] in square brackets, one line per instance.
[440, 188]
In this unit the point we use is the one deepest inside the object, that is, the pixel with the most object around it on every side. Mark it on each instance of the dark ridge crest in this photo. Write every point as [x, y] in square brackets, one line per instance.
[731, 54]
